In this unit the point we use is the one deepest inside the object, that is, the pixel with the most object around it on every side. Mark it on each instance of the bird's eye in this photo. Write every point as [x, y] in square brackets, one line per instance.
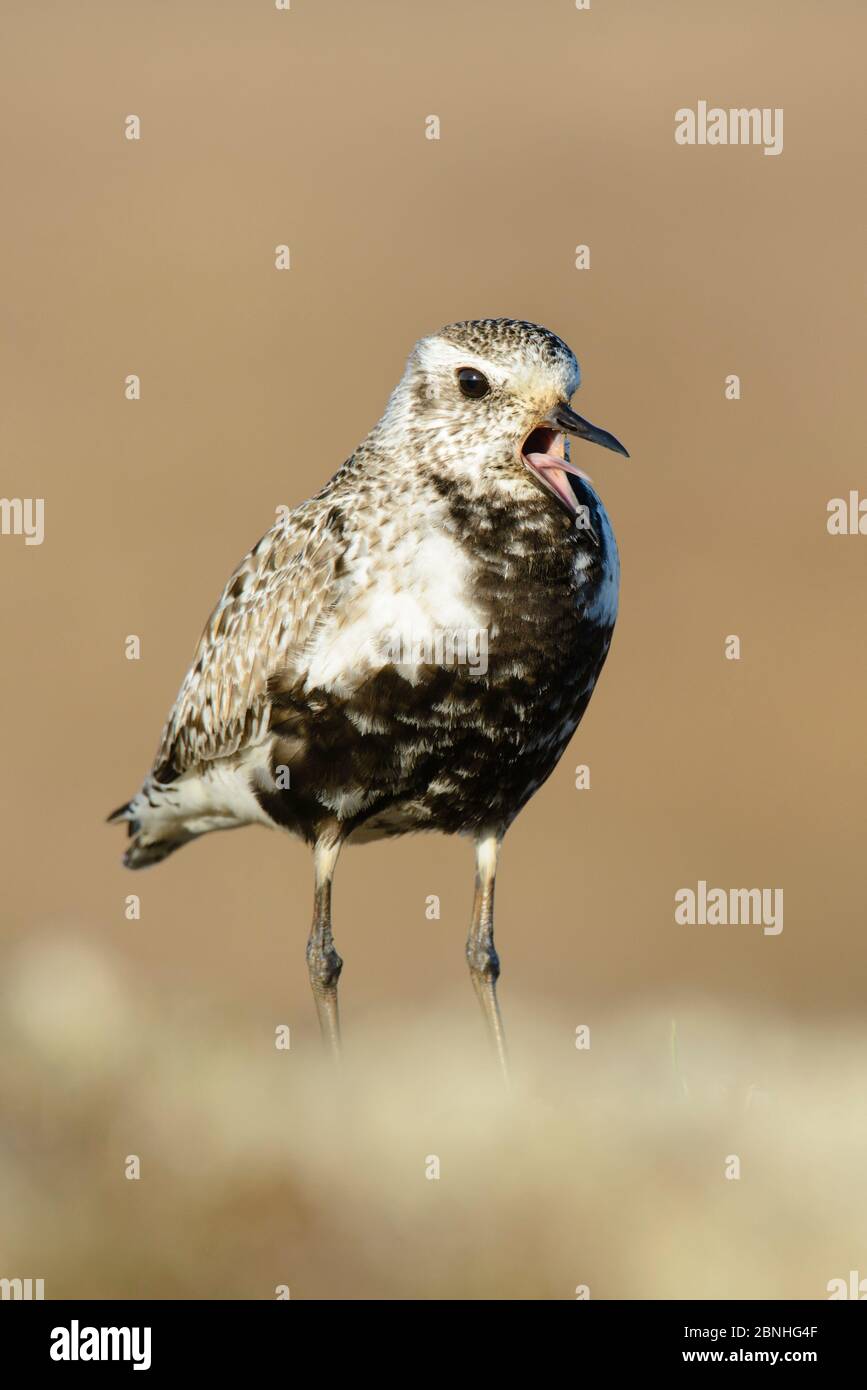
[473, 383]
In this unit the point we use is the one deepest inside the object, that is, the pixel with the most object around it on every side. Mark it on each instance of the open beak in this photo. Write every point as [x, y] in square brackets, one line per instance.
[565, 417]
[544, 452]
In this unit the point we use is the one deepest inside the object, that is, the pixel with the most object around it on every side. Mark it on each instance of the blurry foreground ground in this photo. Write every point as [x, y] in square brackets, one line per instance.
[605, 1168]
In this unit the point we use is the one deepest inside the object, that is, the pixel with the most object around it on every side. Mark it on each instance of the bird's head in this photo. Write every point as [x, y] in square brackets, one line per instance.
[485, 404]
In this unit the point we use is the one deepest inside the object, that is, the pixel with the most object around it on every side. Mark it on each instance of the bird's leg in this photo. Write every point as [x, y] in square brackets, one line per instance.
[323, 963]
[481, 953]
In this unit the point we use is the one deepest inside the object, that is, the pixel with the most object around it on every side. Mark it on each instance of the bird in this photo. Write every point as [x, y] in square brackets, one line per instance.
[412, 648]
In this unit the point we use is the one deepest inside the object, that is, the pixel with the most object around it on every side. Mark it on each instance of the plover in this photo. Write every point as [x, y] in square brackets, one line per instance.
[331, 694]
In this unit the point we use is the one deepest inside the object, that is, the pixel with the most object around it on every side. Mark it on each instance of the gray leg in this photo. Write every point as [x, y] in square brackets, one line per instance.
[323, 963]
[482, 956]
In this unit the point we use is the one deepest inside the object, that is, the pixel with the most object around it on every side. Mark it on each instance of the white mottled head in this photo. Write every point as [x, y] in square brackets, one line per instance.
[485, 403]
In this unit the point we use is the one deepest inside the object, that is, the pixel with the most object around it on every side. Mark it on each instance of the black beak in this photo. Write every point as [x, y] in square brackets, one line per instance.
[566, 419]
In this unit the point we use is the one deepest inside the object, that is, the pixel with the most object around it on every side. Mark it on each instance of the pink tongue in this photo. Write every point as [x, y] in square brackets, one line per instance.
[553, 471]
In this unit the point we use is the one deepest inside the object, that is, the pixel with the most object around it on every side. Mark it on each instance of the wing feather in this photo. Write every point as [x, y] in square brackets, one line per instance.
[261, 627]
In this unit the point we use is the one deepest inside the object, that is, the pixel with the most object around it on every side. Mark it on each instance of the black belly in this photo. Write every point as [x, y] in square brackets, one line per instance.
[451, 753]
[457, 752]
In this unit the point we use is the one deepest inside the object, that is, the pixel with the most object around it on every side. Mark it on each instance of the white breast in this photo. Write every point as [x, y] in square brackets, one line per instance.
[417, 587]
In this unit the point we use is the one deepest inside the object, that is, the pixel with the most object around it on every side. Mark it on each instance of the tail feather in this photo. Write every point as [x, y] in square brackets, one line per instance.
[163, 816]
[148, 846]
[143, 851]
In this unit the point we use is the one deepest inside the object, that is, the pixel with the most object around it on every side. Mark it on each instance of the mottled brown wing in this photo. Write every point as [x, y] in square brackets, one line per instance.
[268, 611]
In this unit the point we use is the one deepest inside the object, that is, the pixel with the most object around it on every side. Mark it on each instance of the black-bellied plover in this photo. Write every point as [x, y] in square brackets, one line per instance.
[414, 647]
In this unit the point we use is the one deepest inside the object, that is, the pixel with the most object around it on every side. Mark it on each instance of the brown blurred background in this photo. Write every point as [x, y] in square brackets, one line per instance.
[156, 257]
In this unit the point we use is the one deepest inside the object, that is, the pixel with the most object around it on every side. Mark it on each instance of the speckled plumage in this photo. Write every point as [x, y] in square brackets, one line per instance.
[433, 523]
[335, 692]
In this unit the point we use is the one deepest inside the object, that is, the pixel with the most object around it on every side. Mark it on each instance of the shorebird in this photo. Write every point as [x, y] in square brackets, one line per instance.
[332, 693]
